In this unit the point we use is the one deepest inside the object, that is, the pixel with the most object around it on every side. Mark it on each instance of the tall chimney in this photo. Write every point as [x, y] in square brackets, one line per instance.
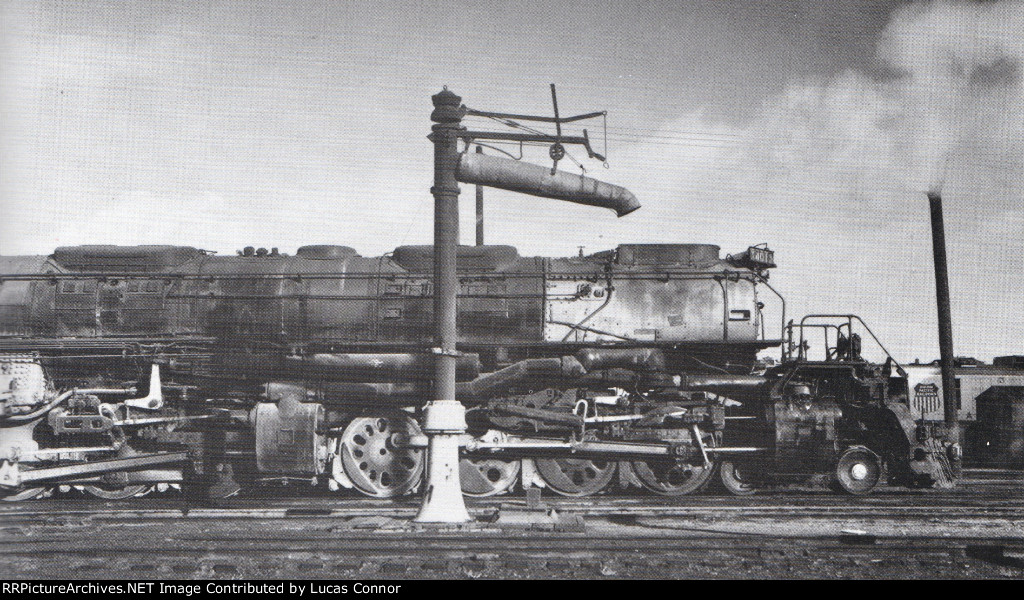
[950, 412]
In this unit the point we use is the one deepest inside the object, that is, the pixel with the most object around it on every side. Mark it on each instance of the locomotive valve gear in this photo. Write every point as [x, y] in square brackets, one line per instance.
[698, 439]
[679, 474]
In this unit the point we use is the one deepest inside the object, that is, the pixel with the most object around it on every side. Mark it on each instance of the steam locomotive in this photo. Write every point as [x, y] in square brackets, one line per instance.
[124, 369]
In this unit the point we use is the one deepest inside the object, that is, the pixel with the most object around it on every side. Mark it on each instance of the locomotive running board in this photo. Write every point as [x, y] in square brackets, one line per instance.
[12, 477]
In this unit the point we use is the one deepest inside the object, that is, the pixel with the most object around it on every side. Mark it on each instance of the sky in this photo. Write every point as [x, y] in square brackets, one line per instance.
[815, 127]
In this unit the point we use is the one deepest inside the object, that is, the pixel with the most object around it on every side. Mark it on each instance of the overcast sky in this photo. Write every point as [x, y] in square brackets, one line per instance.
[813, 127]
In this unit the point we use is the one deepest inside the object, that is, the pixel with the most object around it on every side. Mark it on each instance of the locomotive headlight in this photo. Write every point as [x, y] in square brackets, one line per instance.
[762, 257]
[755, 257]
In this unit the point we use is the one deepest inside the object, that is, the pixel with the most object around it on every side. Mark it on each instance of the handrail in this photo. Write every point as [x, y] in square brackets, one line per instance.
[849, 324]
[764, 280]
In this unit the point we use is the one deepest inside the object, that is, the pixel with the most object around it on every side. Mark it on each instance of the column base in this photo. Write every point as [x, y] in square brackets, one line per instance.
[443, 501]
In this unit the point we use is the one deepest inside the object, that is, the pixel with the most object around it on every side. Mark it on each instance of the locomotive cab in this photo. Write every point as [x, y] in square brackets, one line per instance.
[844, 412]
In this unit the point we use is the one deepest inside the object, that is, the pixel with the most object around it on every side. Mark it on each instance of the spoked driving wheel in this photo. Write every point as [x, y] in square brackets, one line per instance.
[858, 470]
[672, 478]
[576, 476]
[482, 477]
[376, 465]
[676, 477]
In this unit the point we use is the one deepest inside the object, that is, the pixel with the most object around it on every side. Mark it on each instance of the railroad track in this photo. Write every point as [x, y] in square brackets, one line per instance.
[974, 531]
[100, 511]
[351, 553]
[977, 487]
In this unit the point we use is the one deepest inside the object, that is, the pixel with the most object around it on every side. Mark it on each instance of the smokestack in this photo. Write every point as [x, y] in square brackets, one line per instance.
[518, 176]
[945, 319]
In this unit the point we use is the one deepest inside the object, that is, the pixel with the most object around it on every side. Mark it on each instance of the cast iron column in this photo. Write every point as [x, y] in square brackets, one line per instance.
[444, 419]
[945, 320]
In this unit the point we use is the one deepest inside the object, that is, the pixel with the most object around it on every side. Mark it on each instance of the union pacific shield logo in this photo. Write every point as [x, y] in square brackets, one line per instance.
[926, 398]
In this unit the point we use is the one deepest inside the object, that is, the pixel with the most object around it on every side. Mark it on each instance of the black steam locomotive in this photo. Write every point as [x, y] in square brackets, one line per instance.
[128, 368]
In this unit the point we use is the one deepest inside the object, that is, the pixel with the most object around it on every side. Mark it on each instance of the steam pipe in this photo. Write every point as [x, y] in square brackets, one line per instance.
[518, 176]
[566, 367]
[715, 383]
[485, 386]
[394, 394]
[378, 367]
[610, 366]
[634, 359]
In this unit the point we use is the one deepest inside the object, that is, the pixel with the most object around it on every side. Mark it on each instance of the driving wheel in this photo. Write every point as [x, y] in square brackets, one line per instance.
[371, 459]
[576, 476]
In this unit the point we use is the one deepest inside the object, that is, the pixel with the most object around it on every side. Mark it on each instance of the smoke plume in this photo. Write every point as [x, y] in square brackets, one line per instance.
[832, 173]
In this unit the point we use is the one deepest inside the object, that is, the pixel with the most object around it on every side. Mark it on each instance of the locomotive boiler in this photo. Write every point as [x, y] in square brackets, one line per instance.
[124, 369]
